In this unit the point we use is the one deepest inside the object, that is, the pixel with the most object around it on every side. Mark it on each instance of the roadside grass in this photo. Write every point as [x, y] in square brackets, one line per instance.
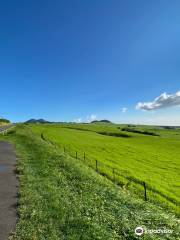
[136, 158]
[61, 198]
[3, 124]
[4, 121]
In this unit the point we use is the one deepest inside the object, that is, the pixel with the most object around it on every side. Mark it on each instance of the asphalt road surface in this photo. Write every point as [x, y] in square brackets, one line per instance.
[8, 190]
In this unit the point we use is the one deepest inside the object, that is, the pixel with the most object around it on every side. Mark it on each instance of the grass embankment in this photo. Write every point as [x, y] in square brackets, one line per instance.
[4, 121]
[61, 198]
[136, 158]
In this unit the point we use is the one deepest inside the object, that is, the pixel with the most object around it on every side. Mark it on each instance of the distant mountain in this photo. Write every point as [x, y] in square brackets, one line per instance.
[37, 121]
[101, 121]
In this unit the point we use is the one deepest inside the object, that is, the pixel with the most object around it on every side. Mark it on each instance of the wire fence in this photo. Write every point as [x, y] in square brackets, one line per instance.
[121, 179]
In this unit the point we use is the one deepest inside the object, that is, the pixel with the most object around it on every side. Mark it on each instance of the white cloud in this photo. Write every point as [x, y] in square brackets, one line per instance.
[88, 119]
[91, 118]
[124, 110]
[163, 101]
[78, 120]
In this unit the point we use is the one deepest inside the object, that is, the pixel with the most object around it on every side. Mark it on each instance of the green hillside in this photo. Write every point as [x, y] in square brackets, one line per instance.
[127, 157]
[62, 198]
[4, 121]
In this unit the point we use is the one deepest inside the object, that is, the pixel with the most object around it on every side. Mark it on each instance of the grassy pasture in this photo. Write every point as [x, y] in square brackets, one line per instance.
[135, 157]
[61, 198]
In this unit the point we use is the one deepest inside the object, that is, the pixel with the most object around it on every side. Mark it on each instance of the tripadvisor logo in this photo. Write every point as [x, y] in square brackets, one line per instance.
[140, 231]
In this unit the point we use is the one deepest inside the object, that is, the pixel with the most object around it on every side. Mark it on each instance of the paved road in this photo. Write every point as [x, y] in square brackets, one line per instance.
[8, 190]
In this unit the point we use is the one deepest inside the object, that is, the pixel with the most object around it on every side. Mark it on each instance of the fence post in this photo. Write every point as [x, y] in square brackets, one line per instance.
[145, 194]
[113, 175]
[42, 136]
[76, 155]
[84, 156]
[96, 166]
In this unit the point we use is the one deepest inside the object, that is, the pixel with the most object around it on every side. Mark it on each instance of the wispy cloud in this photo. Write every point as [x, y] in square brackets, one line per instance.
[91, 117]
[88, 119]
[78, 120]
[124, 110]
[163, 101]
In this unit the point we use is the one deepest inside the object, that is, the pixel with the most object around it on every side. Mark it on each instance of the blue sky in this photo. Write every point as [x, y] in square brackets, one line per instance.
[70, 60]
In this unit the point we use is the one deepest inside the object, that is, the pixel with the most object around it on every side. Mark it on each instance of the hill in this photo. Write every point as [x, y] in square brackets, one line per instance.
[37, 121]
[101, 121]
[4, 121]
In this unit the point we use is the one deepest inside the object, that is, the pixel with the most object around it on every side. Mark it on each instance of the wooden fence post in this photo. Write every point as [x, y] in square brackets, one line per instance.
[76, 155]
[42, 136]
[96, 166]
[113, 175]
[145, 194]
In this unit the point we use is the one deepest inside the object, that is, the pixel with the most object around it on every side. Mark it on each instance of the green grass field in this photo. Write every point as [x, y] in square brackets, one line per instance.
[62, 198]
[135, 157]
